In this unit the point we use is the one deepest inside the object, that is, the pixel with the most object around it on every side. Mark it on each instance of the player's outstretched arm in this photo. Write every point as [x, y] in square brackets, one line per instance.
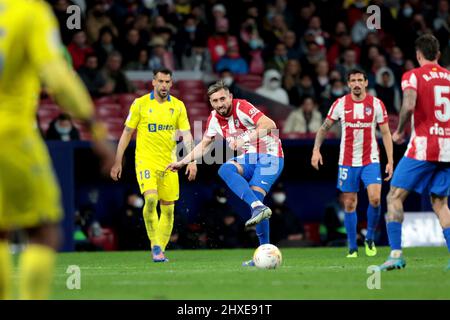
[408, 106]
[194, 155]
[188, 141]
[388, 146]
[316, 158]
[124, 141]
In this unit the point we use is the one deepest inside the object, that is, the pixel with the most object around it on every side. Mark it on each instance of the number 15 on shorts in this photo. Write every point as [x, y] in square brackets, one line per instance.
[343, 173]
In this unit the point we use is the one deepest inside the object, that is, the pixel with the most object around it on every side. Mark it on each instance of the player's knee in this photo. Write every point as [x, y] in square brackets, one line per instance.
[392, 197]
[47, 235]
[438, 203]
[226, 169]
[151, 201]
[375, 201]
[350, 204]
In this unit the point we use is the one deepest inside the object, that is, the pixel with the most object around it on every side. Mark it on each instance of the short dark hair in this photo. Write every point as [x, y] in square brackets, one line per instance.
[162, 70]
[428, 45]
[219, 85]
[356, 71]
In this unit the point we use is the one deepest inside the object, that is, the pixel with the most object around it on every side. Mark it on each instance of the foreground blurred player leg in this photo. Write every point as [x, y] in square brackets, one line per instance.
[36, 262]
[5, 268]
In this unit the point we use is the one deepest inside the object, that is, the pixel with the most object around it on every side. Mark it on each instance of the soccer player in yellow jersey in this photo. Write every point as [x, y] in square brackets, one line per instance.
[30, 53]
[157, 117]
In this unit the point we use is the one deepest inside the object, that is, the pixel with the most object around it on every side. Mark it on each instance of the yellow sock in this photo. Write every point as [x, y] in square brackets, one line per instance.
[151, 218]
[165, 225]
[5, 271]
[36, 264]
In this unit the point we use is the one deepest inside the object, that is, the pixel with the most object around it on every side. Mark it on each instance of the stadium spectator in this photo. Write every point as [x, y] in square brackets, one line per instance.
[228, 79]
[279, 58]
[197, 58]
[232, 61]
[219, 11]
[305, 119]
[335, 89]
[92, 77]
[343, 42]
[142, 64]
[131, 47]
[252, 46]
[322, 79]
[441, 22]
[333, 221]
[113, 73]
[386, 90]
[79, 49]
[360, 29]
[318, 36]
[292, 45]
[277, 30]
[217, 43]
[313, 54]
[286, 230]
[62, 129]
[60, 10]
[105, 45]
[131, 231]
[271, 87]
[348, 63]
[186, 37]
[160, 57]
[396, 63]
[97, 19]
[291, 80]
[220, 223]
[306, 87]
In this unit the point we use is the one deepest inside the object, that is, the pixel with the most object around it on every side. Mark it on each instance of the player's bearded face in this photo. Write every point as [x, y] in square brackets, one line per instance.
[221, 101]
[162, 84]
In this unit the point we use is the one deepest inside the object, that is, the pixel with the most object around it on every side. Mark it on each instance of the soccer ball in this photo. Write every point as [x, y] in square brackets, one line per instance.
[267, 256]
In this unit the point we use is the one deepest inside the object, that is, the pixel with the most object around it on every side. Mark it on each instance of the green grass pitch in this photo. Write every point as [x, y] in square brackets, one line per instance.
[306, 273]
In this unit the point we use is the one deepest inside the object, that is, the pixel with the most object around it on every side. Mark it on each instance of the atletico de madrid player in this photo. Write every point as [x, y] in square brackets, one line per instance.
[359, 160]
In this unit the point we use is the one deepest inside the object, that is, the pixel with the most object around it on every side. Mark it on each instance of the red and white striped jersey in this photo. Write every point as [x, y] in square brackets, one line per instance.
[243, 118]
[359, 119]
[430, 122]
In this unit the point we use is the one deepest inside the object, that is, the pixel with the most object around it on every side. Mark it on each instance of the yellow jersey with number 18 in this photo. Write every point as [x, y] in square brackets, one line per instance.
[156, 125]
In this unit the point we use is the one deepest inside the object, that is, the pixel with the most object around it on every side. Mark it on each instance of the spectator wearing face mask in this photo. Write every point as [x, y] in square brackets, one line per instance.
[131, 227]
[232, 61]
[271, 87]
[285, 227]
[62, 129]
[386, 90]
[227, 77]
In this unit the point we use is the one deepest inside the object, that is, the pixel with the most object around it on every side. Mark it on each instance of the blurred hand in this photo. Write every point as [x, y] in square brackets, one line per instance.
[316, 159]
[389, 170]
[237, 144]
[398, 137]
[104, 150]
[116, 171]
[191, 171]
[175, 166]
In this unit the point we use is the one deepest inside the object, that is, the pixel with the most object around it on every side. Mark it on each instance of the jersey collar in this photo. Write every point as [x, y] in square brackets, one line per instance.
[152, 96]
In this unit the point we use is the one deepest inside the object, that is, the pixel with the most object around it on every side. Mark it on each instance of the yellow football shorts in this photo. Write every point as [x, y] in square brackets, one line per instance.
[164, 182]
[29, 193]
